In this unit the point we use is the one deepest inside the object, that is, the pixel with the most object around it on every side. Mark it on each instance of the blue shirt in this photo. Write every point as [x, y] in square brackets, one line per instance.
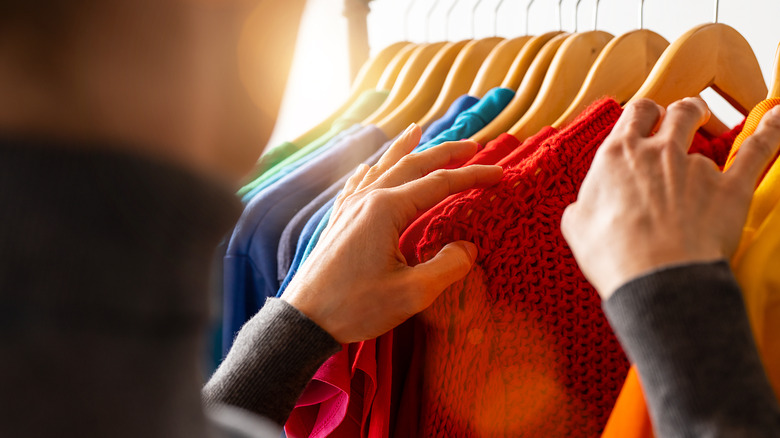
[474, 119]
[445, 122]
[250, 262]
[288, 244]
[313, 228]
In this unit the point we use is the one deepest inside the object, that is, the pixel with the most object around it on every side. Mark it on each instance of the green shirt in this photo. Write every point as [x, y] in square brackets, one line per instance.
[289, 154]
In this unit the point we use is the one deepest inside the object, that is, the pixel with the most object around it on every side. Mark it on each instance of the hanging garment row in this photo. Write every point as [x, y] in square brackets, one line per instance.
[520, 347]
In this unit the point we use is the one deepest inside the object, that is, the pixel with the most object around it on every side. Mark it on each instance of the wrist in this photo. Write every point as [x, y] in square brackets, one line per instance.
[635, 267]
[314, 311]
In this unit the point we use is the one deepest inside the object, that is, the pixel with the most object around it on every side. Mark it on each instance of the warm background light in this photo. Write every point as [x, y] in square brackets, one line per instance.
[320, 75]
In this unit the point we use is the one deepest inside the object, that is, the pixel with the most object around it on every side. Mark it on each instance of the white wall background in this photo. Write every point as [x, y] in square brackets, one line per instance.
[319, 80]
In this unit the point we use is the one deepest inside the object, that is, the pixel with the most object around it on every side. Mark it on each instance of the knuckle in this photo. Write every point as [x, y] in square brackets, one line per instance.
[439, 173]
[462, 263]
[441, 177]
[372, 173]
[686, 106]
[378, 199]
[409, 160]
[772, 123]
[613, 149]
[704, 163]
[644, 105]
[762, 146]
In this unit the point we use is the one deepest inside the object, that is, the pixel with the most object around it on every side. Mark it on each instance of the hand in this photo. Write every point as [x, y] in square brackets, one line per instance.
[646, 204]
[356, 284]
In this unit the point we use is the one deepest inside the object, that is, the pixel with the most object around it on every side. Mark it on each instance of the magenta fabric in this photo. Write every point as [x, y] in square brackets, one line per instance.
[339, 401]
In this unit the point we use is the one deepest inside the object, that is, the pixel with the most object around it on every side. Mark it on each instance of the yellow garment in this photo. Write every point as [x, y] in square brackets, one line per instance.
[757, 261]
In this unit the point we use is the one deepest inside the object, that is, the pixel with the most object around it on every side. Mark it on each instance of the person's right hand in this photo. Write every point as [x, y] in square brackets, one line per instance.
[647, 204]
[356, 284]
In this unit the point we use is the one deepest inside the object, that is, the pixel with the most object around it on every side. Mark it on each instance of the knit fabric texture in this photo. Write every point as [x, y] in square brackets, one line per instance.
[520, 347]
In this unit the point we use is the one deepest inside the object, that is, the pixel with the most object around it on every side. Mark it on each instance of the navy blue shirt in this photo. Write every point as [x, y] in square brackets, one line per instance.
[250, 265]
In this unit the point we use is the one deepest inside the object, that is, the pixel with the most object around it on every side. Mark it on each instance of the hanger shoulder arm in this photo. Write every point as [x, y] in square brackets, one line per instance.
[461, 76]
[562, 82]
[424, 92]
[618, 72]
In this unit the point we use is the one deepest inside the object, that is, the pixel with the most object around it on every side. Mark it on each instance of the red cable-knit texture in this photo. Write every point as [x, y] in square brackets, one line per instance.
[520, 347]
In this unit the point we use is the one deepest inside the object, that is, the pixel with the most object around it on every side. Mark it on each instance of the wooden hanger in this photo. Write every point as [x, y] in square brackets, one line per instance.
[618, 72]
[461, 76]
[524, 59]
[412, 70]
[425, 92]
[393, 70]
[710, 55]
[366, 79]
[497, 64]
[562, 82]
[774, 91]
[531, 65]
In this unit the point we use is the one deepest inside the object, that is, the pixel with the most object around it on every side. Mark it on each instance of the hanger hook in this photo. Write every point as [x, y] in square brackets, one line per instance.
[596, 16]
[528, 14]
[641, 14]
[447, 19]
[474, 19]
[495, 16]
[407, 13]
[560, 15]
[576, 13]
[717, 4]
[428, 21]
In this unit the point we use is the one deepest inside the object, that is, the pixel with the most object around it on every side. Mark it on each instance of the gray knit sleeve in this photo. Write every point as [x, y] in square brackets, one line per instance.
[272, 359]
[687, 331]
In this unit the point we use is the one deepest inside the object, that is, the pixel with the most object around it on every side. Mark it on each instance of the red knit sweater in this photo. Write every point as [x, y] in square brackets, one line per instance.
[520, 347]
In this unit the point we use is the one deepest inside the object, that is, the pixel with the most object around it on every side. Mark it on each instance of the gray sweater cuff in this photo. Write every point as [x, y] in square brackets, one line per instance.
[686, 328]
[272, 360]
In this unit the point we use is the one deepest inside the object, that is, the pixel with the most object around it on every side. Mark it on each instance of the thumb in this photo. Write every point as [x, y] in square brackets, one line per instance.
[451, 264]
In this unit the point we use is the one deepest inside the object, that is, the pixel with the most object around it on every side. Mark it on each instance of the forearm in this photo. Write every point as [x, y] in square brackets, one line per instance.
[272, 360]
[687, 330]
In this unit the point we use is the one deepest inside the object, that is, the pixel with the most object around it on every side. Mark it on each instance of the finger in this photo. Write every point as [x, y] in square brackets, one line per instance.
[639, 119]
[682, 120]
[422, 194]
[405, 143]
[351, 185]
[417, 165]
[757, 150]
[451, 264]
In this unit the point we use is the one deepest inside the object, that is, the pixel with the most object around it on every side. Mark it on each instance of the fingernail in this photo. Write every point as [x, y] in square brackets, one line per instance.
[409, 128]
[774, 112]
[471, 249]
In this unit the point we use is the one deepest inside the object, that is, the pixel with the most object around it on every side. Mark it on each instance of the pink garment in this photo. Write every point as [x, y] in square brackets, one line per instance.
[339, 401]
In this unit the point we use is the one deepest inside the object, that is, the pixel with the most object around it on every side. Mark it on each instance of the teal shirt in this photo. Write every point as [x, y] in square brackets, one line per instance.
[472, 120]
[364, 106]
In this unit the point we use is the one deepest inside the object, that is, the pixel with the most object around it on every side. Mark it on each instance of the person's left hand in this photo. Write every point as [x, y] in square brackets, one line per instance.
[356, 284]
